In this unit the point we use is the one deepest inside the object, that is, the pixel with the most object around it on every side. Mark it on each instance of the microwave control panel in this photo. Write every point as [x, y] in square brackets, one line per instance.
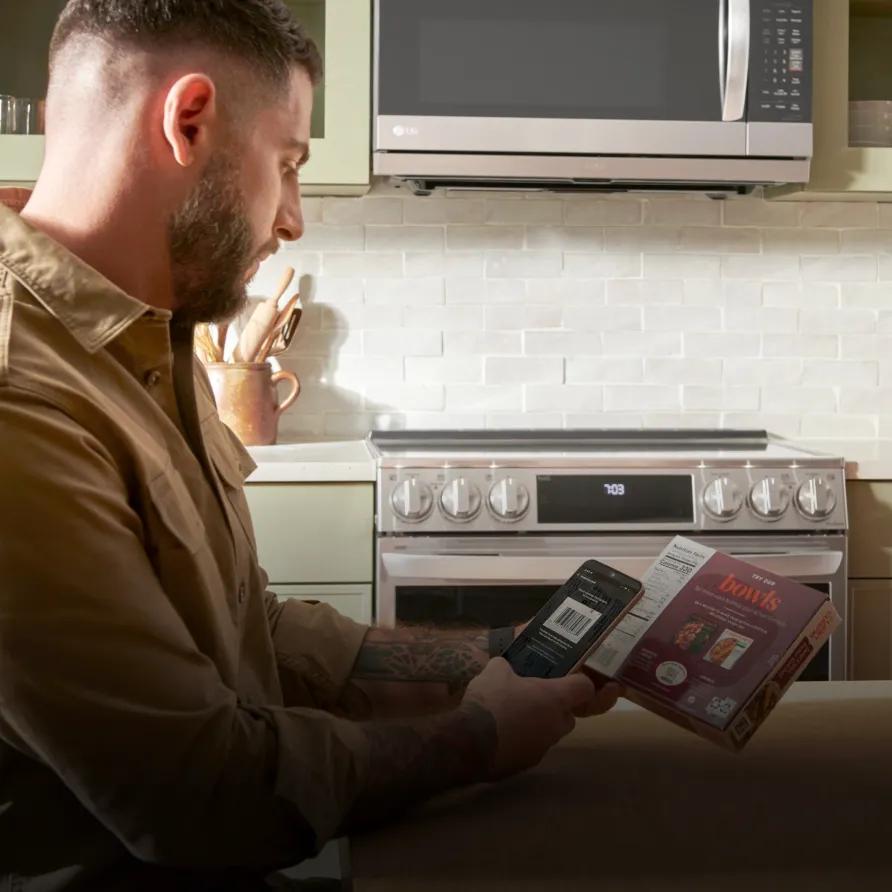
[781, 44]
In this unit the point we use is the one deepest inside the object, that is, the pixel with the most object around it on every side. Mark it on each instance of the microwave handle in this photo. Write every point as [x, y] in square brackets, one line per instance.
[736, 59]
[546, 569]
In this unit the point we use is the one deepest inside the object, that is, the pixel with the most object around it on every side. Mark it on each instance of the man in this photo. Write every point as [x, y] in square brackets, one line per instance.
[164, 721]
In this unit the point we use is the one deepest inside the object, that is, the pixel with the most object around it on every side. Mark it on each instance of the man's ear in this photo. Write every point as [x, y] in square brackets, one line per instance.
[190, 113]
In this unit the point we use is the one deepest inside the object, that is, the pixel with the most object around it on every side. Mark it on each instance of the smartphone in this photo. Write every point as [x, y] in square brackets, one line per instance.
[574, 621]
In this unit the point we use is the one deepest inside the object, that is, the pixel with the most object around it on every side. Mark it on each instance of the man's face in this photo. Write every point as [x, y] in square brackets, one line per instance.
[247, 200]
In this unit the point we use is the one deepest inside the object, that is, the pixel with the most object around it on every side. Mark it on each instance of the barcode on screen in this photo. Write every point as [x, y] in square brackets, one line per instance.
[572, 620]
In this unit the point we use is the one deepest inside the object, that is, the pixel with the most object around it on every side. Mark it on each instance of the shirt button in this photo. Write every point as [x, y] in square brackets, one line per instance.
[242, 593]
[152, 378]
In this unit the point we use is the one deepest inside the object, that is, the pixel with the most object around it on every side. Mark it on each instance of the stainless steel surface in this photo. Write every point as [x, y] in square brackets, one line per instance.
[550, 171]
[558, 136]
[775, 140]
[723, 47]
[737, 75]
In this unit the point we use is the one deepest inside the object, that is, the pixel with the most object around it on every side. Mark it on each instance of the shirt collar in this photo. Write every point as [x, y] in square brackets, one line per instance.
[93, 309]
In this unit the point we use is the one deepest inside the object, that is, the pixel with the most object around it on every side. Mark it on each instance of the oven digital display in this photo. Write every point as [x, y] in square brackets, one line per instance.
[589, 498]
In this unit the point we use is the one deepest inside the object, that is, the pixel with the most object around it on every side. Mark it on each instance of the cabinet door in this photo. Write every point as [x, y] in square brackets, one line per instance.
[870, 529]
[354, 601]
[312, 533]
[340, 149]
[839, 169]
[871, 617]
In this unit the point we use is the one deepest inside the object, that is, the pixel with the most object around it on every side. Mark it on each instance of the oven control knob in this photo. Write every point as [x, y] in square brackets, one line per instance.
[816, 498]
[509, 499]
[412, 500]
[769, 498]
[722, 498]
[460, 500]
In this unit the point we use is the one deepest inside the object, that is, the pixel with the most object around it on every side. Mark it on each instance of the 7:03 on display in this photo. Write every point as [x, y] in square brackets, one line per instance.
[615, 489]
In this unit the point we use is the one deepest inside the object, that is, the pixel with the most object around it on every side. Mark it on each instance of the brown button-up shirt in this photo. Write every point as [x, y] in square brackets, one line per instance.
[165, 722]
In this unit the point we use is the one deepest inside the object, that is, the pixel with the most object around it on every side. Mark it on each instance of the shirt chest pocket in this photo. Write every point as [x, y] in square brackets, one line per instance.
[233, 464]
[174, 522]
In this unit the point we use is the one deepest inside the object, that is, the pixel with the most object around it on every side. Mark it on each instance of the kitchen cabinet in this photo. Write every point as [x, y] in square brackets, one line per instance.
[315, 541]
[340, 144]
[851, 63]
[870, 579]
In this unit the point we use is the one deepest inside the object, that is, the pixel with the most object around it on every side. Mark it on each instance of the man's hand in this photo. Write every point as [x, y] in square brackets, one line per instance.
[532, 714]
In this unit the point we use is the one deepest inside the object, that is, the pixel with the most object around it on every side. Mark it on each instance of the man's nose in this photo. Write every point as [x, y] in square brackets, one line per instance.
[290, 221]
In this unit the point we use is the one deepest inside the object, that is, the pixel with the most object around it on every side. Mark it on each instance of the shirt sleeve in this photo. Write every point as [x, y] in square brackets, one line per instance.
[101, 681]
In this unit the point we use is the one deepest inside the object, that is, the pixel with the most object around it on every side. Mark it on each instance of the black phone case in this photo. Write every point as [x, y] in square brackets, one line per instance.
[581, 612]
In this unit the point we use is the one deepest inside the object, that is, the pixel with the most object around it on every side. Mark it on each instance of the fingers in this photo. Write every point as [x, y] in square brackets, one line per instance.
[576, 692]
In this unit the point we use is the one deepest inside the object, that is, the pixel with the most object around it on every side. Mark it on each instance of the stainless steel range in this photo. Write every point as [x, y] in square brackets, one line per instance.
[479, 527]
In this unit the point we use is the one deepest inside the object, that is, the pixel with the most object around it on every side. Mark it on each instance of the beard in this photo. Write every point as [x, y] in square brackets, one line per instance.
[211, 247]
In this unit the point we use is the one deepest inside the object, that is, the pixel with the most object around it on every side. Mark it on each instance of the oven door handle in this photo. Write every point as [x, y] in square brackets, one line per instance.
[557, 569]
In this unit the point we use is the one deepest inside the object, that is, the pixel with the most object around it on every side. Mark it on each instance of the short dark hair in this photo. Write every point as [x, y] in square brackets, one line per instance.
[262, 33]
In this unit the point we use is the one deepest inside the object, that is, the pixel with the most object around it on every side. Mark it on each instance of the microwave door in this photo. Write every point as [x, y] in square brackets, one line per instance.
[611, 77]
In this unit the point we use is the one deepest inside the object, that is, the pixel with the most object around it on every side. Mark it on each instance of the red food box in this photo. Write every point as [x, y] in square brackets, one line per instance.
[714, 642]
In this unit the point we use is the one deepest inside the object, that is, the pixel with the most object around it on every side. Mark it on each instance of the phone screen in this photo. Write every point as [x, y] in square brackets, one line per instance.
[573, 620]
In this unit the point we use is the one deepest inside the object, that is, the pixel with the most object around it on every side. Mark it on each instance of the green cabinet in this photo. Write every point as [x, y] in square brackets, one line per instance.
[851, 63]
[341, 133]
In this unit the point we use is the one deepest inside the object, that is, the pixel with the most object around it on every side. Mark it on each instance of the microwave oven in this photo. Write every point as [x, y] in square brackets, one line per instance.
[593, 94]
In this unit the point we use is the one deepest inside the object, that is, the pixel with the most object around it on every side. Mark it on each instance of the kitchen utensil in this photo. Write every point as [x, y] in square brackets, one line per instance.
[261, 323]
[247, 402]
[207, 349]
[277, 330]
[7, 113]
[222, 332]
[287, 279]
[286, 336]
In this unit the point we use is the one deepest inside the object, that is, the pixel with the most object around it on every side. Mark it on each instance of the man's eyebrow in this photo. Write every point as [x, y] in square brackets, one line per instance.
[301, 146]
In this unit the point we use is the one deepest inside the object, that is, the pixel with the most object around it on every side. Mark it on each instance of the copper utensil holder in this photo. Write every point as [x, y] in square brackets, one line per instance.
[247, 398]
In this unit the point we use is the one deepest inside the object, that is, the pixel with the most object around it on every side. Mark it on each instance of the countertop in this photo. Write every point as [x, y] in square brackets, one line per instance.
[865, 459]
[630, 802]
[346, 461]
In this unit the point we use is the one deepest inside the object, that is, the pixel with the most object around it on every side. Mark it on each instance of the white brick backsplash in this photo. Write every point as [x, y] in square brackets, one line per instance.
[728, 399]
[722, 345]
[602, 318]
[362, 266]
[719, 240]
[444, 210]
[811, 345]
[839, 214]
[402, 341]
[800, 241]
[773, 319]
[545, 213]
[768, 267]
[839, 269]
[443, 318]
[405, 238]
[349, 211]
[760, 372]
[839, 373]
[530, 309]
[660, 370]
[438, 263]
[755, 212]
[789, 294]
[837, 321]
[606, 266]
[524, 370]
[602, 212]
[561, 343]
[877, 295]
[640, 292]
[564, 238]
[404, 292]
[444, 370]
[524, 318]
[641, 397]
[477, 344]
[682, 212]
[681, 266]
[470, 397]
[485, 238]
[529, 265]
[563, 398]
[776, 398]
[606, 370]
[682, 319]
[867, 241]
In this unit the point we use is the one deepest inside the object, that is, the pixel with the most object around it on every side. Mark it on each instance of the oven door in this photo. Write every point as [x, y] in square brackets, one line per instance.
[592, 77]
[498, 581]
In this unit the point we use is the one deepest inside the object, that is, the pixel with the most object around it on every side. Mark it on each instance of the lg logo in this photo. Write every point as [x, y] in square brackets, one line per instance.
[400, 130]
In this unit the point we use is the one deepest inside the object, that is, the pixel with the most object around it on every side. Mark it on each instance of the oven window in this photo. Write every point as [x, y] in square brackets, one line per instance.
[470, 606]
[609, 60]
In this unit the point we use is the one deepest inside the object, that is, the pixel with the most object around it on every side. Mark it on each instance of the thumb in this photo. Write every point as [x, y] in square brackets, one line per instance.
[576, 692]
